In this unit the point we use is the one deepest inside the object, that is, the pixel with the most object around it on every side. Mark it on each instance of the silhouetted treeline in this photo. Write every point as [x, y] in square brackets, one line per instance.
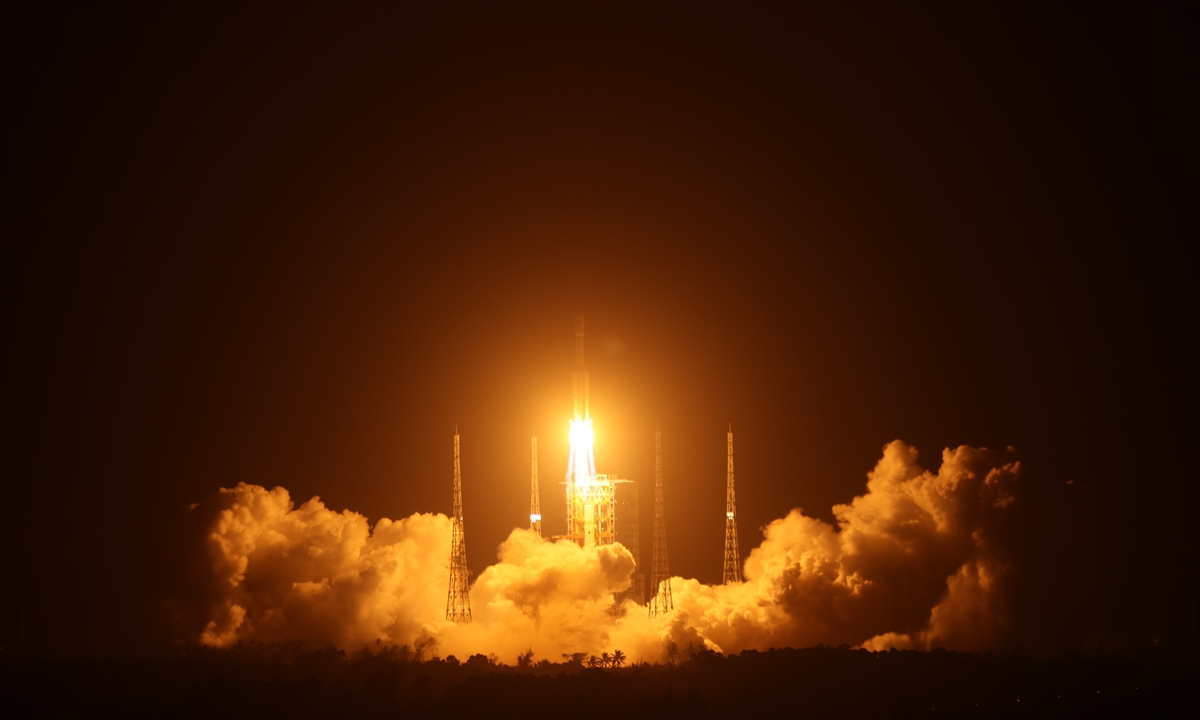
[286, 679]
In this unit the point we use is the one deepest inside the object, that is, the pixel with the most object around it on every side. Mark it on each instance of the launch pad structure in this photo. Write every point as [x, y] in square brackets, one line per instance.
[660, 577]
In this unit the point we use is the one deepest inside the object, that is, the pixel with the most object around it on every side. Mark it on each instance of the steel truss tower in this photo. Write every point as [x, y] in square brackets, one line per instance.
[733, 560]
[535, 497]
[661, 573]
[458, 599]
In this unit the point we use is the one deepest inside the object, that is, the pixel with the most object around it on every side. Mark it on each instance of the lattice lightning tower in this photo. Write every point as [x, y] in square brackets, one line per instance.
[733, 560]
[458, 600]
[661, 573]
[535, 497]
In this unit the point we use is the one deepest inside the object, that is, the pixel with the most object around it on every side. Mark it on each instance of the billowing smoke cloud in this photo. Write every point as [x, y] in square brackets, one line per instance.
[912, 563]
[308, 573]
[916, 561]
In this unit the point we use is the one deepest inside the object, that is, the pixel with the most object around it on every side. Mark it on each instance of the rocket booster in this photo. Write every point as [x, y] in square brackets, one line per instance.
[580, 375]
[586, 505]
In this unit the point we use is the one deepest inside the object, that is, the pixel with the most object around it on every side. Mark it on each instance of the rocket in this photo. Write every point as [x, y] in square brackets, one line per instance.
[580, 375]
[582, 489]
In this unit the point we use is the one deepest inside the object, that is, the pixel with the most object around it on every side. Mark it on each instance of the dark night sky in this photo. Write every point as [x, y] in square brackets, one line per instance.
[296, 247]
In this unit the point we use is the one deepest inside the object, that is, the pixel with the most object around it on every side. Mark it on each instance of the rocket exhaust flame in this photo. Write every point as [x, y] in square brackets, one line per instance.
[581, 465]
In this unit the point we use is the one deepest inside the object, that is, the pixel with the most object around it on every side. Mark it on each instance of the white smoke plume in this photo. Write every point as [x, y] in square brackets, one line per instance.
[913, 562]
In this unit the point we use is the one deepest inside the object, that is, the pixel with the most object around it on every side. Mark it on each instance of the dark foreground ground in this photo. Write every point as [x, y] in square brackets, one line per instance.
[294, 681]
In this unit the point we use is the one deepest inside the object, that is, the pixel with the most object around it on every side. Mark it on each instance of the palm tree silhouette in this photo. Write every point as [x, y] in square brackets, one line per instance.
[575, 658]
[593, 661]
[606, 659]
[618, 658]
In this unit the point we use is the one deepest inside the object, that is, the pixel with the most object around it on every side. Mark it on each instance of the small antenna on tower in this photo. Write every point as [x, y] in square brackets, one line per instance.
[732, 572]
[458, 599]
[661, 572]
[535, 496]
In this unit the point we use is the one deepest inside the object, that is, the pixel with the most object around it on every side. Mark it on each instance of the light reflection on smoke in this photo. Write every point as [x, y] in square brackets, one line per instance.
[913, 562]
